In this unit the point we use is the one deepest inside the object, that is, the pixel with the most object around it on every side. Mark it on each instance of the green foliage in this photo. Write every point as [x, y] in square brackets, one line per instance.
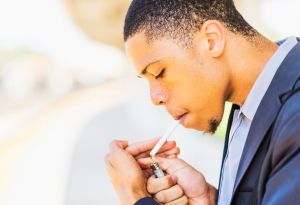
[8, 55]
[221, 131]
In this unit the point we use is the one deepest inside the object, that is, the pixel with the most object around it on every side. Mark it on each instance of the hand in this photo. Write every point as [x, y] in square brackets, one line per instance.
[192, 182]
[142, 149]
[166, 191]
[128, 179]
[125, 174]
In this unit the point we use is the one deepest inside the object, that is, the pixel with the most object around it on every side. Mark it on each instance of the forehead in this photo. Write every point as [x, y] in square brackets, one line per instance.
[142, 52]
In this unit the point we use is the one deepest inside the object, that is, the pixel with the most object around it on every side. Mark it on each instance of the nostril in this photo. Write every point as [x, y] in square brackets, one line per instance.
[157, 102]
[158, 95]
[160, 99]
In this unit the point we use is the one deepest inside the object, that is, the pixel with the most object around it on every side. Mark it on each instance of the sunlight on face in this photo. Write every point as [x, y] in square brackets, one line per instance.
[187, 81]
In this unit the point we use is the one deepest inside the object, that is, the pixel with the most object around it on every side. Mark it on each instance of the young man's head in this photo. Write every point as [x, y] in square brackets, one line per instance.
[180, 47]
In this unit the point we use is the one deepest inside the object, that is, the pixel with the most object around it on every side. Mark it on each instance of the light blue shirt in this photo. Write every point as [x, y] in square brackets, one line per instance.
[242, 120]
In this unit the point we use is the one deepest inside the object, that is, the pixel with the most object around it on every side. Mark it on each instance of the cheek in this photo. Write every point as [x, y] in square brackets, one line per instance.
[197, 88]
[204, 98]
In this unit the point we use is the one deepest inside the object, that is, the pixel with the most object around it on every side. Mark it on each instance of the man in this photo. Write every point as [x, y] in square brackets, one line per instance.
[196, 55]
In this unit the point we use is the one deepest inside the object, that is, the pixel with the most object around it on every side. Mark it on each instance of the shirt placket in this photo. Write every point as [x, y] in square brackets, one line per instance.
[236, 126]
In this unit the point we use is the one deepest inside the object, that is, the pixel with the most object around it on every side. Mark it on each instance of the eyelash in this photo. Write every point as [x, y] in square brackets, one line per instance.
[160, 75]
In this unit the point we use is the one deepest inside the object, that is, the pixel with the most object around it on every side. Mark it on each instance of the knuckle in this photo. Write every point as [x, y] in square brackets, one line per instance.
[174, 142]
[108, 157]
[161, 197]
[173, 156]
[169, 181]
[151, 185]
[150, 188]
[154, 185]
[112, 143]
[179, 190]
[185, 200]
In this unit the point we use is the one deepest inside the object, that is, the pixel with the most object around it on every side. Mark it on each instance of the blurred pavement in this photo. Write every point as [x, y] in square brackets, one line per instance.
[52, 150]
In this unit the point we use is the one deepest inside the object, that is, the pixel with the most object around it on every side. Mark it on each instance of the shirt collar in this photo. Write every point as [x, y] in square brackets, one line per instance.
[263, 81]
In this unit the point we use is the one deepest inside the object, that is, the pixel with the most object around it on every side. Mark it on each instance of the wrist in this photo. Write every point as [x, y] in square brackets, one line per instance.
[130, 198]
[209, 198]
[212, 193]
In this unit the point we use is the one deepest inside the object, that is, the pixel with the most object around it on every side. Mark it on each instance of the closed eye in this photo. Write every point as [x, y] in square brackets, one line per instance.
[161, 74]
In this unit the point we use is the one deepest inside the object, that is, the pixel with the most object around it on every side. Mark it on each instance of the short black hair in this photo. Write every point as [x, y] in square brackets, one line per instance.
[179, 19]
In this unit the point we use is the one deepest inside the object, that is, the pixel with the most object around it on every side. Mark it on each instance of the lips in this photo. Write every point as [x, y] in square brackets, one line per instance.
[182, 119]
[179, 117]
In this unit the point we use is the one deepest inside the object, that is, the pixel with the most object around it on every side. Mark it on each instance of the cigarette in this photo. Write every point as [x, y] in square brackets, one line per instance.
[164, 138]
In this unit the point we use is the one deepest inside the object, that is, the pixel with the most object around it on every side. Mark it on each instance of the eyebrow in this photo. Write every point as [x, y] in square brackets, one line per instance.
[145, 69]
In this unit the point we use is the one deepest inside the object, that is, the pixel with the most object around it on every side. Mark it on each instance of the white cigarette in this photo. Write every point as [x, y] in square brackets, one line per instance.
[164, 138]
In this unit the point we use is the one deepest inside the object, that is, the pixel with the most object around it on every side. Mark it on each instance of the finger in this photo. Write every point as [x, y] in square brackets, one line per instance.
[142, 146]
[142, 155]
[169, 165]
[172, 156]
[147, 173]
[181, 201]
[169, 145]
[172, 151]
[144, 149]
[108, 161]
[155, 185]
[165, 151]
[146, 162]
[118, 145]
[146, 146]
[168, 195]
[168, 156]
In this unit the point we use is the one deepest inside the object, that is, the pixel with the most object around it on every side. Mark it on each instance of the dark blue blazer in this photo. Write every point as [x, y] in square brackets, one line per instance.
[269, 170]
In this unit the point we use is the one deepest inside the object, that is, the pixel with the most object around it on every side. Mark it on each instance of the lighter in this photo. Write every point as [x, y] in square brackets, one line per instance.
[158, 172]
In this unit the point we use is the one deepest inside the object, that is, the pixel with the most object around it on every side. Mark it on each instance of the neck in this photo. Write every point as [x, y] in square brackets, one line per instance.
[246, 61]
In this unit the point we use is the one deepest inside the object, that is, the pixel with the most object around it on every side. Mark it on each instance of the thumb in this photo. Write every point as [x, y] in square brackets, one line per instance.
[168, 165]
[171, 165]
[147, 161]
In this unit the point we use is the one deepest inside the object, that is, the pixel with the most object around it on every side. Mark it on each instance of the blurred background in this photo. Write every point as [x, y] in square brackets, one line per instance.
[67, 90]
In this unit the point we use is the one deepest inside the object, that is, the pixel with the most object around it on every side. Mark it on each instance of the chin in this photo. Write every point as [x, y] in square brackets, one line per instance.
[209, 127]
[196, 126]
[213, 125]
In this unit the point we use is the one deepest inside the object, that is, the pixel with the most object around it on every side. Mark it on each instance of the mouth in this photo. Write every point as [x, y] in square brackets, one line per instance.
[183, 119]
[180, 117]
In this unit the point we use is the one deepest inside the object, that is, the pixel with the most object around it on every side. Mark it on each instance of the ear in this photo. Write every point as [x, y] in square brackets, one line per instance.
[214, 34]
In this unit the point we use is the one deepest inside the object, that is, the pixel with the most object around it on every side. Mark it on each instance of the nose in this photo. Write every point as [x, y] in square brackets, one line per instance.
[158, 94]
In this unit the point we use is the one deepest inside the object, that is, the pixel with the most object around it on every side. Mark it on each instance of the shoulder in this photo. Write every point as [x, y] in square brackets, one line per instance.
[289, 111]
[286, 133]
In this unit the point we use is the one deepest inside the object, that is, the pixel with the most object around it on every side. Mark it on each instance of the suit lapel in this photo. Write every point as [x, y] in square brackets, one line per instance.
[283, 81]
